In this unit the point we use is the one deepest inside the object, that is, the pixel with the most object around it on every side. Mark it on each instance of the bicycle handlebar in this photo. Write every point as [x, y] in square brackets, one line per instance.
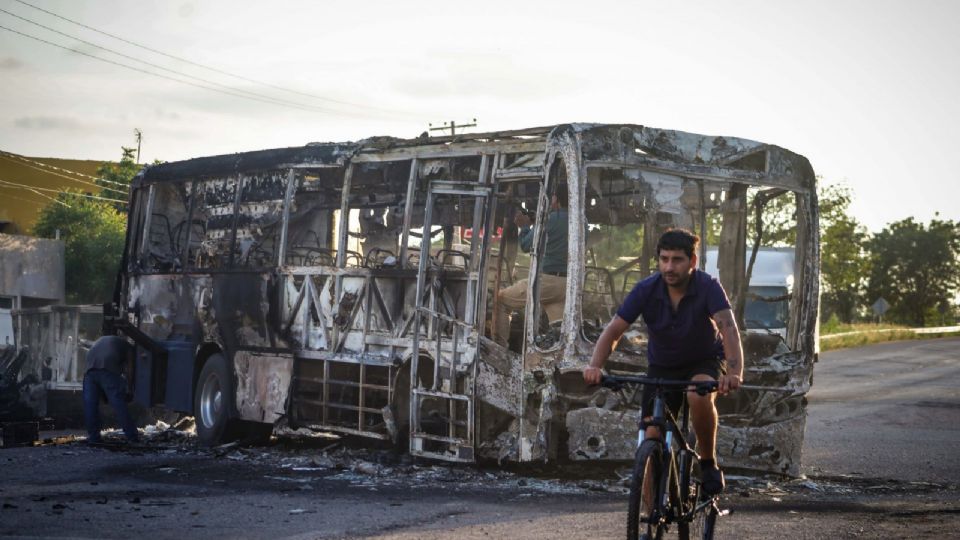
[616, 382]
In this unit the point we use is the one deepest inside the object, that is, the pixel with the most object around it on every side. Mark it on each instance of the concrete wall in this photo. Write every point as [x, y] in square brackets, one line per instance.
[32, 267]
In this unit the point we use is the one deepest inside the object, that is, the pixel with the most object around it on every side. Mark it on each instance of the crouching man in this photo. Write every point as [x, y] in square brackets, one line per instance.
[107, 361]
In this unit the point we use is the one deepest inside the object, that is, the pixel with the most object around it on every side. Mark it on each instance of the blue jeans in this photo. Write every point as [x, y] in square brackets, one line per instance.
[100, 382]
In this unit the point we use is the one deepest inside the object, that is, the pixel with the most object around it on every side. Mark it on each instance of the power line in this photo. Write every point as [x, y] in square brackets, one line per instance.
[86, 195]
[84, 182]
[309, 109]
[157, 66]
[46, 165]
[28, 188]
[213, 69]
[38, 203]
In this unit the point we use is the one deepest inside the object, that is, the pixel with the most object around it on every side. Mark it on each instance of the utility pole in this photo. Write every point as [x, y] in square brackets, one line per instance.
[452, 126]
[139, 136]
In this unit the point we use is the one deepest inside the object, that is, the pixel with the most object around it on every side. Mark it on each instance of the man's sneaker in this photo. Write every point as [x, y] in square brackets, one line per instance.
[711, 480]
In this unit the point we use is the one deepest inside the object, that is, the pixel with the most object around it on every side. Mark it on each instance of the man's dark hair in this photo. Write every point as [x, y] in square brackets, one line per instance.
[561, 193]
[676, 239]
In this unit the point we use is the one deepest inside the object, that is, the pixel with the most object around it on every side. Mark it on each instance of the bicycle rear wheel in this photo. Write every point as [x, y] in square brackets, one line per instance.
[645, 486]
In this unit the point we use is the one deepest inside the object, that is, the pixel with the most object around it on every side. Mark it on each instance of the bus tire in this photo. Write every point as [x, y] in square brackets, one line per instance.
[213, 403]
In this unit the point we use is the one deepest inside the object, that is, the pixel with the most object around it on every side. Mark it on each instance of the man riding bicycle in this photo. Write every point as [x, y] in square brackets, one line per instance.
[693, 335]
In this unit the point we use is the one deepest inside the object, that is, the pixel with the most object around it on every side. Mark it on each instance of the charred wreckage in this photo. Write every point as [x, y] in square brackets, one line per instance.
[351, 287]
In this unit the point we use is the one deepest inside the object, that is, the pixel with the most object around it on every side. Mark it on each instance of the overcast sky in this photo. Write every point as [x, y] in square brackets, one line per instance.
[869, 91]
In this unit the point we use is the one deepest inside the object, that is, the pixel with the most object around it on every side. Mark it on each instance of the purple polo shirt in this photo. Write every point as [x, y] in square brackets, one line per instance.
[687, 336]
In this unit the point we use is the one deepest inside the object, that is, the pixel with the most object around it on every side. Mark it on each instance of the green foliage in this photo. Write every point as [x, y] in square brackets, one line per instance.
[844, 262]
[780, 214]
[834, 202]
[831, 325]
[844, 267]
[779, 220]
[862, 338]
[610, 242]
[916, 268]
[115, 178]
[844, 336]
[93, 233]
[942, 314]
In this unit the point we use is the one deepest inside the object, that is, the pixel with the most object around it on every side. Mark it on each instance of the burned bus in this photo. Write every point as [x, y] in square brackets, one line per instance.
[352, 287]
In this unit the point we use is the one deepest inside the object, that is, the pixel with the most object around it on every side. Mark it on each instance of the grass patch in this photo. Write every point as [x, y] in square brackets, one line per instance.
[866, 334]
[834, 327]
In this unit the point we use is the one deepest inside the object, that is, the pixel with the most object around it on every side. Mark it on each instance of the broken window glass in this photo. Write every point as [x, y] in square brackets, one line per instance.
[213, 221]
[166, 209]
[627, 210]
[511, 263]
[311, 222]
[258, 220]
[550, 285]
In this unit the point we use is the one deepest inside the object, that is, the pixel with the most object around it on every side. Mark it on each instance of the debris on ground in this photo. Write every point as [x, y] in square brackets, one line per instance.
[301, 458]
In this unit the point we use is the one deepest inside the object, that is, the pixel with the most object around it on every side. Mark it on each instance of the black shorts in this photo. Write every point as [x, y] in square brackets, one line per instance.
[713, 367]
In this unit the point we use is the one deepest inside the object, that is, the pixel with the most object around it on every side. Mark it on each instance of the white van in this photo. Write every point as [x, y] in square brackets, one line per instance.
[768, 302]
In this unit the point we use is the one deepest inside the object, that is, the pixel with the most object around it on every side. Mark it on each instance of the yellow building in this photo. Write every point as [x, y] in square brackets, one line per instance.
[27, 184]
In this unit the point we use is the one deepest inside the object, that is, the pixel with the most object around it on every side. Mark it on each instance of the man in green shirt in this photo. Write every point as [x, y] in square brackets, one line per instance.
[553, 267]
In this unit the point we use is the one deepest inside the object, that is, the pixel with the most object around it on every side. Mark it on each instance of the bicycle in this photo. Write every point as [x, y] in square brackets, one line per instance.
[665, 482]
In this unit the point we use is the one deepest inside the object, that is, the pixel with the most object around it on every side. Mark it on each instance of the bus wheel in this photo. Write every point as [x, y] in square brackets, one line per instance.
[213, 403]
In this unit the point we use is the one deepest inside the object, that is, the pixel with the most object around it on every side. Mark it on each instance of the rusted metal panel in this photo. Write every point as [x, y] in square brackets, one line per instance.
[263, 384]
[499, 379]
[587, 443]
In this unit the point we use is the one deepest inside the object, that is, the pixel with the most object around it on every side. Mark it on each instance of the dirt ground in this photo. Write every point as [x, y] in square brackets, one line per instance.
[306, 488]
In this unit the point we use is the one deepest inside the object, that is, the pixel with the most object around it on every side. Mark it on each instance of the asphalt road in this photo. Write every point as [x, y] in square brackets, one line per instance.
[882, 420]
[890, 410]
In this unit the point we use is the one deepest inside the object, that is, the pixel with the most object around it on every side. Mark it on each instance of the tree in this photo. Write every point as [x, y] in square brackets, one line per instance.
[916, 268]
[780, 213]
[93, 234]
[92, 230]
[844, 266]
[115, 178]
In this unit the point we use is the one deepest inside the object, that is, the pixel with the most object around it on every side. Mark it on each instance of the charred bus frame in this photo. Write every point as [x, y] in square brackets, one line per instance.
[352, 287]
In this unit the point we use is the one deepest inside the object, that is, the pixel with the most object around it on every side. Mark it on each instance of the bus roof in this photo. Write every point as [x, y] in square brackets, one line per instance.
[685, 153]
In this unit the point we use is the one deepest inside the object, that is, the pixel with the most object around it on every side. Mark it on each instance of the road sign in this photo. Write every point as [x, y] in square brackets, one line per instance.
[880, 307]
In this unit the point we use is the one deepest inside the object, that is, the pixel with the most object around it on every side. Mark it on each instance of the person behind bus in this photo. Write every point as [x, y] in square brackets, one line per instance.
[106, 363]
[692, 336]
[553, 274]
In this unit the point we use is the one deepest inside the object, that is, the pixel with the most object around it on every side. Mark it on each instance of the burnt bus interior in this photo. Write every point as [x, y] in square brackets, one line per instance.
[342, 247]
[626, 210]
[353, 285]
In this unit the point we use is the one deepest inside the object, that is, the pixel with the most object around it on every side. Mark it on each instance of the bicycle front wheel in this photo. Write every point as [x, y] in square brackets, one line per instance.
[702, 523]
[702, 526]
[643, 516]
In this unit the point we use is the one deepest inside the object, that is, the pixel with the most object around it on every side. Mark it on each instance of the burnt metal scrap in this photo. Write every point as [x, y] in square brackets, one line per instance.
[352, 287]
[20, 395]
